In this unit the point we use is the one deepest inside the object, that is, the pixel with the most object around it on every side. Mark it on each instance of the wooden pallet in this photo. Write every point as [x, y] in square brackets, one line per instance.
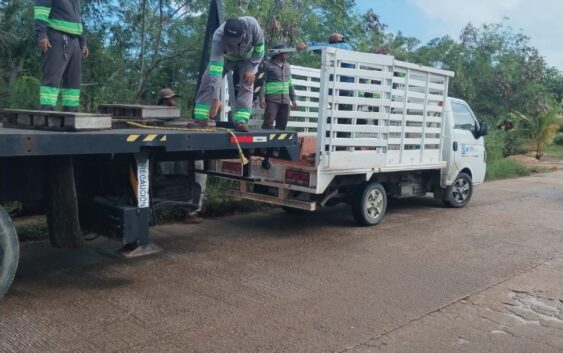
[140, 112]
[50, 120]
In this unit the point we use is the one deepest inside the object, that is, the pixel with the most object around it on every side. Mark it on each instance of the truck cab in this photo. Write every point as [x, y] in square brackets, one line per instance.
[464, 144]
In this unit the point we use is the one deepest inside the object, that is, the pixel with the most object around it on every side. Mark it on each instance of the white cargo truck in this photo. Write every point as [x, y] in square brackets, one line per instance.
[379, 128]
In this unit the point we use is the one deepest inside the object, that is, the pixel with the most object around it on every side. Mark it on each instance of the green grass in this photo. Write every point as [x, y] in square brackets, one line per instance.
[32, 228]
[506, 168]
[219, 204]
[553, 151]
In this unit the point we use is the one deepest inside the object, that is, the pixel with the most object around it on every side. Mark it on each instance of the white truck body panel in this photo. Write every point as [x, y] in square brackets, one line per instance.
[374, 114]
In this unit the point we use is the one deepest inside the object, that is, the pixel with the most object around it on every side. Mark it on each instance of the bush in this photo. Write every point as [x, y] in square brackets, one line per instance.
[558, 140]
[25, 93]
[219, 203]
[506, 168]
[494, 145]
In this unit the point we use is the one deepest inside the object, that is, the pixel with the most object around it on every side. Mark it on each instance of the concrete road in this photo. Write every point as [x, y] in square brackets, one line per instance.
[487, 278]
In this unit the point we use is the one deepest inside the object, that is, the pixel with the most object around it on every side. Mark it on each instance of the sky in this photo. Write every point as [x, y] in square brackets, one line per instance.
[426, 19]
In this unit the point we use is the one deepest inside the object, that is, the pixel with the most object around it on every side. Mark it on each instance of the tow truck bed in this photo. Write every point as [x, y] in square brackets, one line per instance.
[213, 144]
[106, 177]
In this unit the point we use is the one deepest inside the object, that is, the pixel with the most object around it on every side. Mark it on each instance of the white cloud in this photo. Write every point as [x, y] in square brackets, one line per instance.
[539, 19]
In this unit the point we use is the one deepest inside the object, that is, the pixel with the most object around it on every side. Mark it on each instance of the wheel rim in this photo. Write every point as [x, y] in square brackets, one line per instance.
[374, 204]
[460, 191]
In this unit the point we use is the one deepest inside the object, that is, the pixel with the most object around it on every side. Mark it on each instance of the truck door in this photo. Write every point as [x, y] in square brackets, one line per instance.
[470, 151]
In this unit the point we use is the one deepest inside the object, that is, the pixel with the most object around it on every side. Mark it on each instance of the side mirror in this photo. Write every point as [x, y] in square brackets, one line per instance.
[484, 129]
[481, 131]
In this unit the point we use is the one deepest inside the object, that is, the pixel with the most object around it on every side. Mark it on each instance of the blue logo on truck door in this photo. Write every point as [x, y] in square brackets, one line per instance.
[464, 149]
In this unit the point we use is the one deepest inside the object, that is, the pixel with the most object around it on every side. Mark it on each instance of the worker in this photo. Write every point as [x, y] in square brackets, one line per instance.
[237, 45]
[278, 92]
[167, 97]
[61, 39]
[335, 40]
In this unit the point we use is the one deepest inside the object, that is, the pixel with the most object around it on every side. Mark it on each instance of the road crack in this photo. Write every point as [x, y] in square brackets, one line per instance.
[370, 342]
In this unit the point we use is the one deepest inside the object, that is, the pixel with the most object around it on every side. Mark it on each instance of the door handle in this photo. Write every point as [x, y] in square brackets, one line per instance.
[455, 146]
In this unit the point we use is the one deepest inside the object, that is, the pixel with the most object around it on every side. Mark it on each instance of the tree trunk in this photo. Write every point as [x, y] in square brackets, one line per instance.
[142, 54]
[62, 205]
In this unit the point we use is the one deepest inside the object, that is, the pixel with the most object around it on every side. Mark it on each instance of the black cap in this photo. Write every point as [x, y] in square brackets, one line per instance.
[278, 47]
[234, 30]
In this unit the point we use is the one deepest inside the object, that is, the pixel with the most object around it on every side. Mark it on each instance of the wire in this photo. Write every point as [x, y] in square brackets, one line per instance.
[242, 157]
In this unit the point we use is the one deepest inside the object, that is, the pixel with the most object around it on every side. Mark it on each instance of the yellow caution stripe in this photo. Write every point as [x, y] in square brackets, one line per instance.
[147, 138]
[133, 138]
[282, 136]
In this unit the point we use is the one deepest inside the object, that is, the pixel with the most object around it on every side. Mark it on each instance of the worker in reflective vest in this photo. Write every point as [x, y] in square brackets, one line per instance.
[61, 39]
[277, 93]
[237, 45]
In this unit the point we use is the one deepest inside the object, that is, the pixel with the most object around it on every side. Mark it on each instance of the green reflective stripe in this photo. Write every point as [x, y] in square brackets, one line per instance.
[66, 26]
[48, 95]
[277, 91]
[71, 97]
[41, 13]
[216, 68]
[242, 115]
[49, 90]
[230, 57]
[201, 111]
[71, 92]
[277, 87]
[70, 102]
[259, 50]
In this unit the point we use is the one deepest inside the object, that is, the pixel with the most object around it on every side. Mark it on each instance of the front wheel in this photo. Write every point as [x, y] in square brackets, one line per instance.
[9, 252]
[369, 204]
[459, 193]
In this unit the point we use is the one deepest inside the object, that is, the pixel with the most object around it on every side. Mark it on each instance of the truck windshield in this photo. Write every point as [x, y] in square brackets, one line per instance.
[463, 119]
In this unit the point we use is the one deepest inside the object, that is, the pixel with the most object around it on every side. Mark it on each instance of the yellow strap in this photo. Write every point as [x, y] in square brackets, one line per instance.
[243, 159]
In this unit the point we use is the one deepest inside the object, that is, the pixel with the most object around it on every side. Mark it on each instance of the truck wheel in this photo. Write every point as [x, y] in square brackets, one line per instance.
[459, 193]
[369, 204]
[9, 252]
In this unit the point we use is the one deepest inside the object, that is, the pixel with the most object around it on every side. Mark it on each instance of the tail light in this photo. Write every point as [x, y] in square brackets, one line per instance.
[297, 177]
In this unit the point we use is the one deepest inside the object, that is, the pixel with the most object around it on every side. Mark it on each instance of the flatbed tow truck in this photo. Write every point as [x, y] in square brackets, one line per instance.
[104, 181]
[88, 181]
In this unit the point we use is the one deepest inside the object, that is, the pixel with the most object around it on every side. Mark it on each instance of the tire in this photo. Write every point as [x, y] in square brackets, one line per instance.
[459, 193]
[9, 252]
[369, 204]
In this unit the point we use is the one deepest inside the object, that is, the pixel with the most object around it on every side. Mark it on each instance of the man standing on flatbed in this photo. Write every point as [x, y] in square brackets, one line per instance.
[59, 28]
[237, 45]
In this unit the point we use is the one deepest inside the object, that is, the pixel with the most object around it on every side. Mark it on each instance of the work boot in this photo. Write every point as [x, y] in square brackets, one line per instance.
[198, 124]
[241, 126]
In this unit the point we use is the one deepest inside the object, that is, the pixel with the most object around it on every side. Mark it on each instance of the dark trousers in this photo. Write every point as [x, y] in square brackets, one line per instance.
[62, 62]
[278, 113]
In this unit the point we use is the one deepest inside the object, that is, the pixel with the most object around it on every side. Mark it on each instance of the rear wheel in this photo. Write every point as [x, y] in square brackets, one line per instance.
[459, 193]
[9, 252]
[369, 204]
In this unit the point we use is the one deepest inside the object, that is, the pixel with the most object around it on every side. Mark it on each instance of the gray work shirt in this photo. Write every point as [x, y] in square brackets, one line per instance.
[248, 53]
[278, 87]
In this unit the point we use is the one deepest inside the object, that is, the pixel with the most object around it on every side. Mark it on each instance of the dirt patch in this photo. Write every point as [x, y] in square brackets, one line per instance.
[547, 163]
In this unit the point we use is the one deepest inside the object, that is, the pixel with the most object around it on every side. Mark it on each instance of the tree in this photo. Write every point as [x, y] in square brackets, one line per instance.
[540, 128]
